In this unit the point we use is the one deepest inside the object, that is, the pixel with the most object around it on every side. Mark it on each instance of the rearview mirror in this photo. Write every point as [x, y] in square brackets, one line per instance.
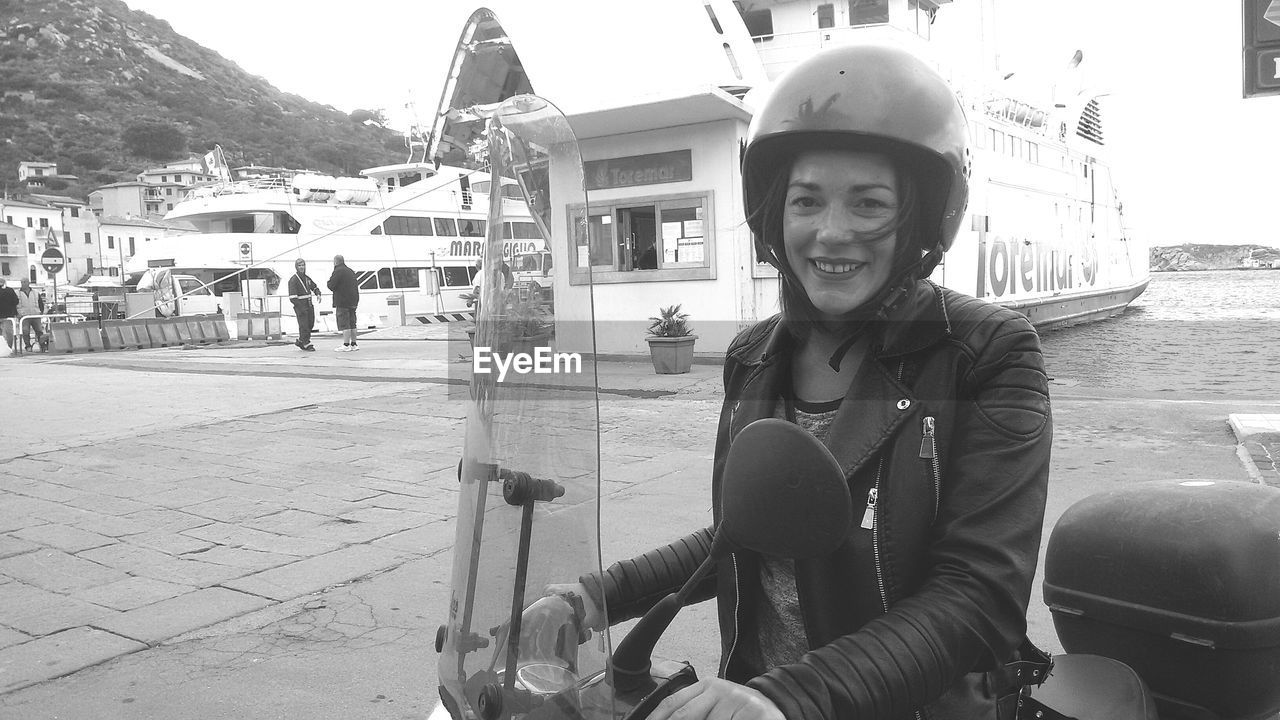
[784, 493]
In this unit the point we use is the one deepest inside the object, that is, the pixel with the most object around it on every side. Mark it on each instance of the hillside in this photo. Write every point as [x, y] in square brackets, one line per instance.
[1211, 257]
[106, 92]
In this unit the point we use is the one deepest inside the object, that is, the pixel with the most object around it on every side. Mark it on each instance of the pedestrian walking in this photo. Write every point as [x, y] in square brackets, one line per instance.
[855, 178]
[301, 288]
[8, 315]
[30, 302]
[346, 297]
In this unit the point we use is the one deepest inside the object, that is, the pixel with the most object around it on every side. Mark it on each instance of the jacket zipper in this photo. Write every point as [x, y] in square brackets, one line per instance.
[929, 451]
[872, 504]
[737, 604]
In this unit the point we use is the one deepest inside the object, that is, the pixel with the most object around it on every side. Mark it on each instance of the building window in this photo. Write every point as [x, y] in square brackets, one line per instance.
[169, 205]
[164, 178]
[32, 273]
[659, 237]
[131, 248]
[4, 268]
[88, 238]
[826, 15]
[44, 222]
[31, 248]
[88, 262]
[75, 212]
[9, 219]
[168, 191]
[111, 242]
[30, 223]
[869, 12]
[66, 237]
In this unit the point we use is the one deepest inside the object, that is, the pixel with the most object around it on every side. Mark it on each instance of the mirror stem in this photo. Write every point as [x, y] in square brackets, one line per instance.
[633, 658]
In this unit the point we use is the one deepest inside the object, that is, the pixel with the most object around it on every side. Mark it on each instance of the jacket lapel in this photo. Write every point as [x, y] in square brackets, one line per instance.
[874, 407]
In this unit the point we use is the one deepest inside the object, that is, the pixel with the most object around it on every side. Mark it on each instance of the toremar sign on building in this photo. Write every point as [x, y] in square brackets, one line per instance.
[674, 166]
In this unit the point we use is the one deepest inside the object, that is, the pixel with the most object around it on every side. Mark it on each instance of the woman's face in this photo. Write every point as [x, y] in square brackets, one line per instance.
[837, 205]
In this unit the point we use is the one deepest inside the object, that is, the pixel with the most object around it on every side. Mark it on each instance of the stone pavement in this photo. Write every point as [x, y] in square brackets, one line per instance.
[162, 506]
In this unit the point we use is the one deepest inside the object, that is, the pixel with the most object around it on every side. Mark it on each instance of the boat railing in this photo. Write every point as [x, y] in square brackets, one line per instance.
[237, 187]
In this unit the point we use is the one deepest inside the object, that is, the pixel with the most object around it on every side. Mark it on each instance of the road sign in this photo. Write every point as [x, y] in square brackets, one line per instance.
[246, 251]
[52, 260]
[1261, 48]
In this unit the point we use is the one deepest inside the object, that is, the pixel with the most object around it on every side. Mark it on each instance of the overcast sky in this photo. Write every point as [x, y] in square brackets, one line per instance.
[1193, 161]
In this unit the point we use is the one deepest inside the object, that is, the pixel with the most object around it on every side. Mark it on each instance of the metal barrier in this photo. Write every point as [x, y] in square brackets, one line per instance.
[17, 327]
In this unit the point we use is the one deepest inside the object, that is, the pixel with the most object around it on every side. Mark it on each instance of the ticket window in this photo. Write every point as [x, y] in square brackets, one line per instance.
[638, 239]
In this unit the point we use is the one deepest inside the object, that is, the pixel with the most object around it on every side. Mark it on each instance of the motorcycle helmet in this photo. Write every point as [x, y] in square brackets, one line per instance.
[869, 98]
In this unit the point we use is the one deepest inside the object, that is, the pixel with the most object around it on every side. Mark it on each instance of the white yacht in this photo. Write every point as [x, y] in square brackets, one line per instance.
[412, 230]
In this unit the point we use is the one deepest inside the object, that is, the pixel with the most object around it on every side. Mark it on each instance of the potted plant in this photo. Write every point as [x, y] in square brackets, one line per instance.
[671, 341]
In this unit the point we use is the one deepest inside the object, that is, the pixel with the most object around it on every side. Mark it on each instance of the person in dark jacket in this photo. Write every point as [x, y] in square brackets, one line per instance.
[935, 404]
[8, 314]
[346, 296]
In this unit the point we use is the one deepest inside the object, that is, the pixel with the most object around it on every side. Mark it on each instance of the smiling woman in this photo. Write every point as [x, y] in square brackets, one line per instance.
[934, 404]
[839, 228]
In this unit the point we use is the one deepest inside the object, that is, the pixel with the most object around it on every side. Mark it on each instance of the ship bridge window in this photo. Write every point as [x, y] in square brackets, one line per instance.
[660, 238]
[410, 179]
[520, 231]
[367, 280]
[406, 225]
[445, 227]
[243, 224]
[826, 15]
[759, 22]
[471, 228]
[868, 12]
[454, 276]
[405, 277]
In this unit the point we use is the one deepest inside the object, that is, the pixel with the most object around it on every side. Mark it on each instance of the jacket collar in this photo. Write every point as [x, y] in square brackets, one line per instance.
[876, 403]
[918, 322]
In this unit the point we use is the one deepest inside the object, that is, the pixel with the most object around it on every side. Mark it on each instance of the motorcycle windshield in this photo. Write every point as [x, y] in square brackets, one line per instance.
[529, 477]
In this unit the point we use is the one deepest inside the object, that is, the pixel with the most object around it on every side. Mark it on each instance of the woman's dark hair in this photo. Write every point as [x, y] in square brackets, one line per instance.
[767, 225]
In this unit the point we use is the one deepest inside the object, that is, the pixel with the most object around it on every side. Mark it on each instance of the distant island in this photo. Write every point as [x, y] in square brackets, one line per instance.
[1189, 257]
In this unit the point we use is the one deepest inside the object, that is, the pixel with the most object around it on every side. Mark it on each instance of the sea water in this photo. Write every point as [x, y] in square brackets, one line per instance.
[1213, 332]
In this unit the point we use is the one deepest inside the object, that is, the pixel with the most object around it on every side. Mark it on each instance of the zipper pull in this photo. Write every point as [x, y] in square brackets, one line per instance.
[869, 516]
[928, 446]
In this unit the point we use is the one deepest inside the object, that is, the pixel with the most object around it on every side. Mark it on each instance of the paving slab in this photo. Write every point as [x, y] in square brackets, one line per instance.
[133, 592]
[36, 611]
[317, 573]
[57, 571]
[159, 621]
[60, 654]
[63, 537]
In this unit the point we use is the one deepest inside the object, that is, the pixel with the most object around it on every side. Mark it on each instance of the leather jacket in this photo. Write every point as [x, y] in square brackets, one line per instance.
[957, 518]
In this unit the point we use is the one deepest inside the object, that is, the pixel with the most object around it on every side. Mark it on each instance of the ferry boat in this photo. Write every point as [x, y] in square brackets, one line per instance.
[660, 122]
[411, 230]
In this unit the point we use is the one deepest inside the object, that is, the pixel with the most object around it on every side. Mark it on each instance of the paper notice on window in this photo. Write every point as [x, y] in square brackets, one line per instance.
[670, 232]
[691, 251]
[584, 258]
[693, 228]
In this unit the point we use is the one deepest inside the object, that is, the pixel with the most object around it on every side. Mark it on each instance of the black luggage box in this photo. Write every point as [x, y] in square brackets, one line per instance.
[1180, 580]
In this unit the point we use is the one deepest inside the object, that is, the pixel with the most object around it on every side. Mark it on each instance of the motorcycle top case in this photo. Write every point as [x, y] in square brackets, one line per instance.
[1180, 580]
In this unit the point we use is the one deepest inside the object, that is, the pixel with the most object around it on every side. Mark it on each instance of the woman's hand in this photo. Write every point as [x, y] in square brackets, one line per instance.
[592, 616]
[716, 700]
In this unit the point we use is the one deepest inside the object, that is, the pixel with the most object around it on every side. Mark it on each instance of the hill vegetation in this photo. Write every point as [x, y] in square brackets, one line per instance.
[106, 92]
